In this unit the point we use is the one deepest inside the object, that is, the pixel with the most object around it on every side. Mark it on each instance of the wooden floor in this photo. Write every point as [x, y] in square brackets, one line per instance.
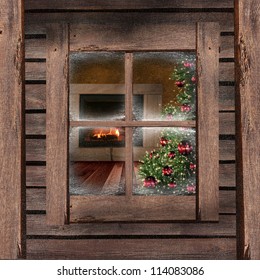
[98, 177]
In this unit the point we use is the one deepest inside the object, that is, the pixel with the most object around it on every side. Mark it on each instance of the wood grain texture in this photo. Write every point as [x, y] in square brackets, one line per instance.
[35, 150]
[208, 41]
[57, 124]
[35, 71]
[128, 130]
[35, 96]
[94, 5]
[36, 225]
[35, 48]
[123, 21]
[36, 176]
[131, 208]
[36, 200]
[248, 127]
[227, 98]
[12, 129]
[172, 249]
[227, 47]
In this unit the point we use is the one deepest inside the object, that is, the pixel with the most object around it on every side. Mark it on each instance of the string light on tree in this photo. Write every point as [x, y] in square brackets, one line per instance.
[171, 168]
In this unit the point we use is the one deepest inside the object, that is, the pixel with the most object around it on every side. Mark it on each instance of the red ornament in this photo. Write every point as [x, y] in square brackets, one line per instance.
[172, 185]
[185, 108]
[167, 171]
[193, 79]
[179, 83]
[185, 148]
[192, 166]
[191, 189]
[171, 155]
[163, 141]
[187, 64]
[150, 182]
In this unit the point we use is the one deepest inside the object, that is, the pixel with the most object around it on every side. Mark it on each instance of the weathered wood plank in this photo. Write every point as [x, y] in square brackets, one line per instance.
[35, 71]
[208, 41]
[12, 129]
[227, 47]
[227, 71]
[35, 124]
[226, 98]
[95, 5]
[227, 150]
[35, 48]
[35, 96]
[227, 175]
[129, 130]
[131, 208]
[35, 150]
[36, 225]
[57, 132]
[248, 127]
[35, 175]
[36, 200]
[208, 248]
[227, 123]
[37, 25]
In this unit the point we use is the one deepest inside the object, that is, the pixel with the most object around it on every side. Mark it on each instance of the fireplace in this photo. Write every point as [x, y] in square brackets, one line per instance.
[106, 107]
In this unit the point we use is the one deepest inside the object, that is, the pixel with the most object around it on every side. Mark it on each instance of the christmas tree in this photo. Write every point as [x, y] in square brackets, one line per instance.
[171, 168]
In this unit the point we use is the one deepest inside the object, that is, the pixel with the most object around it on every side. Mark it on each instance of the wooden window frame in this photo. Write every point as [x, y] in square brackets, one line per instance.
[204, 206]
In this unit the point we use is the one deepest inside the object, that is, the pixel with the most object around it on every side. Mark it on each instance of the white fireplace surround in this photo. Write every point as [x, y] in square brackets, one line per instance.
[152, 104]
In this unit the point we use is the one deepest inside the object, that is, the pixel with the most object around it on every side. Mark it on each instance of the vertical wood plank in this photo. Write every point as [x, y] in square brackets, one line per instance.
[208, 42]
[57, 124]
[12, 128]
[247, 37]
[128, 117]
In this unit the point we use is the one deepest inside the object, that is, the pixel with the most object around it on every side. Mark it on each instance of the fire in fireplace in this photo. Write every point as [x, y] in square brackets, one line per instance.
[101, 137]
[104, 107]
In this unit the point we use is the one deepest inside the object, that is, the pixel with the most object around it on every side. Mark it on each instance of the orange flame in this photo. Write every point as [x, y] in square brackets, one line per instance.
[112, 131]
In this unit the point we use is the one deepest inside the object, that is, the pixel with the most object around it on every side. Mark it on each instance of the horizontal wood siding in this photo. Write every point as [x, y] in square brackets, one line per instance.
[93, 5]
[207, 240]
[166, 249]
[37, 227]
[36, 200]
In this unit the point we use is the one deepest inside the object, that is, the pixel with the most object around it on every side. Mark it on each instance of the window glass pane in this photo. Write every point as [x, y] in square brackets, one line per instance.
[167, 81]
[97, 86]
[97, 161]
[166, 162]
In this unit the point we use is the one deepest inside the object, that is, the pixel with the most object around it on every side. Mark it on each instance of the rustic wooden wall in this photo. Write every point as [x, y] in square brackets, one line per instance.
[12, 188]
[248, 127]
[125, 240]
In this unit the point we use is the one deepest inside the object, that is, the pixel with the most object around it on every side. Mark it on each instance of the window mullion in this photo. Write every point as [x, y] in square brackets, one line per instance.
[128, 117]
